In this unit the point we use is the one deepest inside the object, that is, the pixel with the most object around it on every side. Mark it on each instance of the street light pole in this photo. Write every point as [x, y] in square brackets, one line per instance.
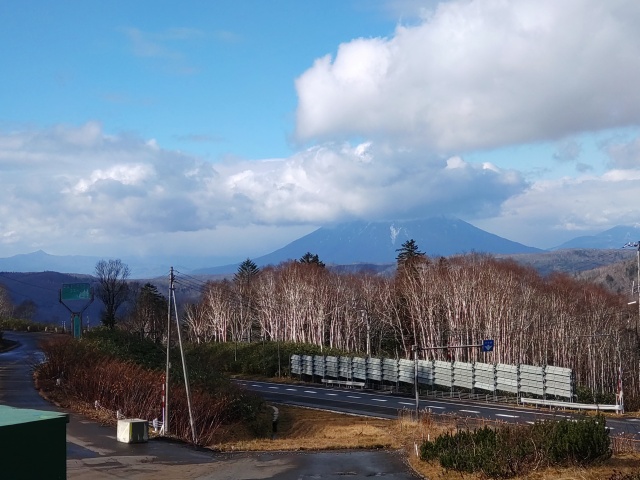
[415, 376]
[635, 288]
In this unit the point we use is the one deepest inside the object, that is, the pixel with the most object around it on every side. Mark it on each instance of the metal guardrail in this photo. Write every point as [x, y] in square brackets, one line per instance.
[479, 397]
[570, 405]
[343, 383]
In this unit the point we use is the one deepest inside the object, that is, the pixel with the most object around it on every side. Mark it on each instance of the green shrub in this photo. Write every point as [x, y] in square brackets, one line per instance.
[582, 441]
[258, 358]
[512, 450]
[586, 395]
[21, 325]
[126, 346]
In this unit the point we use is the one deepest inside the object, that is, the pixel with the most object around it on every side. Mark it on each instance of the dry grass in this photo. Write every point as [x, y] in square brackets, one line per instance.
[306, 429]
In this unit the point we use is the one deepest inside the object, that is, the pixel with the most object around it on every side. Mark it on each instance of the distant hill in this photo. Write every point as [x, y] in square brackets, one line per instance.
[141, 267]
[377, 242]
[617, 277]
[356, 246]
[43, 262]
[43, 288]
[572, 261]
[613, 238]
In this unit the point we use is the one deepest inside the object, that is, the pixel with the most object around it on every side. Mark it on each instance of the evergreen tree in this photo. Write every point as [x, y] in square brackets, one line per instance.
[245, 315]
[149, 312]
[408, 253]
[246, 271]
[311, 259]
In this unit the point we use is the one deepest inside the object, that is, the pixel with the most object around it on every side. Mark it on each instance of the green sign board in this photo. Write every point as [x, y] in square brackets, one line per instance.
[76, 291]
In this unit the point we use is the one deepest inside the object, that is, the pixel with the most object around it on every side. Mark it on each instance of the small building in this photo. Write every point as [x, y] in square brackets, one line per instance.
[33, 443]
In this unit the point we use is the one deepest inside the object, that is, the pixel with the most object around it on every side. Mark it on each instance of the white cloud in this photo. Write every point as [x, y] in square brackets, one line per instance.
[469, 75]
[481, 74]
[117, 186]
[124, 174]
[552, 212]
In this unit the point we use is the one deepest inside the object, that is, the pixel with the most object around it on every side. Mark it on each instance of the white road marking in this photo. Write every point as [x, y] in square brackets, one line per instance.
[406, 403]
[352, 396]
[332, 394]
[505, 415]
[431, 406]
[291, 390]
[254, 385]
[470, 411]
[379, 399]
[275, 388]
[309, 391]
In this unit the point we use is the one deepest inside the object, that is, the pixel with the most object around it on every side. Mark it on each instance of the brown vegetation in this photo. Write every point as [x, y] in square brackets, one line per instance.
[555, 320]
[75, 373]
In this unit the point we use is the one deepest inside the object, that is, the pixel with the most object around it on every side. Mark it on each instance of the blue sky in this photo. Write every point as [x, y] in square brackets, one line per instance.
[229, 128]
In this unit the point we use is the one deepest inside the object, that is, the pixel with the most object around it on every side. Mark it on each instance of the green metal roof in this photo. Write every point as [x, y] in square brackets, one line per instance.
[15, 416]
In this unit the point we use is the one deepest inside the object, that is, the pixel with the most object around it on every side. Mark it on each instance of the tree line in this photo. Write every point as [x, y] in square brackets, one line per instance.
[444, 302]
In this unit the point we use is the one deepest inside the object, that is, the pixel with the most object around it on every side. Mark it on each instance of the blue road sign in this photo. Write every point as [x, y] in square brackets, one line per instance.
[487, 345]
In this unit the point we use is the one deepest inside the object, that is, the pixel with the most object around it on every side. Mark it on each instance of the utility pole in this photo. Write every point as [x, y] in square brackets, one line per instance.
[165, 413]
[184, 363]
[172, 300]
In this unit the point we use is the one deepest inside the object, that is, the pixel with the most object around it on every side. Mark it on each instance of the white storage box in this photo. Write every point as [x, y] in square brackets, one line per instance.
[133, 430]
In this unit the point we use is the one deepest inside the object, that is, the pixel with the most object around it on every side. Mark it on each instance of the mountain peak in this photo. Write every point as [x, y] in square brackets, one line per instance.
[361, 242]
[613, 238]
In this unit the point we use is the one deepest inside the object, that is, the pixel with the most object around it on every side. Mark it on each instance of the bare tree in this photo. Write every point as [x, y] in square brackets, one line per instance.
[199, 328]
[26, 309]
[112, 288]
[6, 306]
[461, 300]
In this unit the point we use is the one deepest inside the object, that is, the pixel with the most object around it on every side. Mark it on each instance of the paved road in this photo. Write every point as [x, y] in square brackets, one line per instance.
[386, 405]
[94, 453]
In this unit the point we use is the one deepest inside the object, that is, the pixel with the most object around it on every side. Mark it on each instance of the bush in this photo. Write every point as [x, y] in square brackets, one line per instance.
[512, 450]
[586, 395]
[110, 367]
[258, 358]
[20, 325]
[584, 442]
[126, 346]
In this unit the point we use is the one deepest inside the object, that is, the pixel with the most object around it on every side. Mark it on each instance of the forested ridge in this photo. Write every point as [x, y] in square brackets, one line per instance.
[534, 319]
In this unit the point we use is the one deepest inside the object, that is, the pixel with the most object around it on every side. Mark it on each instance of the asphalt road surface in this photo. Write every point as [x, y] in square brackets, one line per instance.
[386, 405]
[94, 453]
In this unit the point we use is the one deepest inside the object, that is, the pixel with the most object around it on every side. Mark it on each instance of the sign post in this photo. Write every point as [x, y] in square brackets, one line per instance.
[76, 293]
